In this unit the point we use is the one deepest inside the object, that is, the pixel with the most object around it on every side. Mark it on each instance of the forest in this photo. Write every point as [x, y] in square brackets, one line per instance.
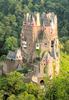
[12, 86]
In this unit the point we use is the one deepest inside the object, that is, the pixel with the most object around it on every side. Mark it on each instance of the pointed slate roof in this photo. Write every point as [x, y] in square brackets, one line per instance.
[11, 55]
[14, 55]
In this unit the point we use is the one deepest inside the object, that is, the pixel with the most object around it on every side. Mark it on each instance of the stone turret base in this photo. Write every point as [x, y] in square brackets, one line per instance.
[38, 78]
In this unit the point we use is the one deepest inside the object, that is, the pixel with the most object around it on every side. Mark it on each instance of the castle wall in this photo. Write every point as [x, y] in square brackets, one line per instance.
[46, 24]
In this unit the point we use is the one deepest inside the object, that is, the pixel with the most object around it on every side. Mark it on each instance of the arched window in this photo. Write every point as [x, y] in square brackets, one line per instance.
[42, 82]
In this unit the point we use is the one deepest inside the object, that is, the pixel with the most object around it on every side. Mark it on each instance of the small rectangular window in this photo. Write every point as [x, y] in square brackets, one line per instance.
[52, 43]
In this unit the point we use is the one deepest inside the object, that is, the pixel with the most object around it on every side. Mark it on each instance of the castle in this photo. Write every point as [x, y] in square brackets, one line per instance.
[40, 45]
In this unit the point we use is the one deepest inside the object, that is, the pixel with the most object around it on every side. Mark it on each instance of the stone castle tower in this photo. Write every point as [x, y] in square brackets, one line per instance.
[39, 44]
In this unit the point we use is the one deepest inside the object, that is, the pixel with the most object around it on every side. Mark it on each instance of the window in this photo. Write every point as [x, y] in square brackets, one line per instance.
[45, 44]
[45, 28]
[37, 46]
[57, 54]
[24, 43]
[29, 44]
[52, 43]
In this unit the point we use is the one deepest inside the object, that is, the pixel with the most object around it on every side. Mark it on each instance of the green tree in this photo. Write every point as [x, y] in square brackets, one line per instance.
[15, 81]
[12, 97]
[66, 46]
[56, 88]
[26, 96]
[35, 90]
[64, 31]
[11, 43]
[1, 94]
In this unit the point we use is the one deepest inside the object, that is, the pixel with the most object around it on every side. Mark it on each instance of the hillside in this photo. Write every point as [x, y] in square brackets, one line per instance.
[64, 68]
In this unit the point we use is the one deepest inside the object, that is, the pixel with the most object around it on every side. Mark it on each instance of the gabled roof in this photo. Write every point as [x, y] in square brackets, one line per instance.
[14, 55]
[11, 55]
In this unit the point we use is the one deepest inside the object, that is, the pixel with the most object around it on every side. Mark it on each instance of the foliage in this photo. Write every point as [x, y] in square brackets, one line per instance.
[26, 96]
[12, 97]
[38, 51]
[57, 89]
[1, 95]
[3, 58]
[64, 69]
[11, 43]
[12, 87]
[12, 84]
[11, 16]
[66, 46]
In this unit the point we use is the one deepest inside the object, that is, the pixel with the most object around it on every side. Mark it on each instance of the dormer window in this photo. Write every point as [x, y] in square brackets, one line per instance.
[37, 46]
[24, 43]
